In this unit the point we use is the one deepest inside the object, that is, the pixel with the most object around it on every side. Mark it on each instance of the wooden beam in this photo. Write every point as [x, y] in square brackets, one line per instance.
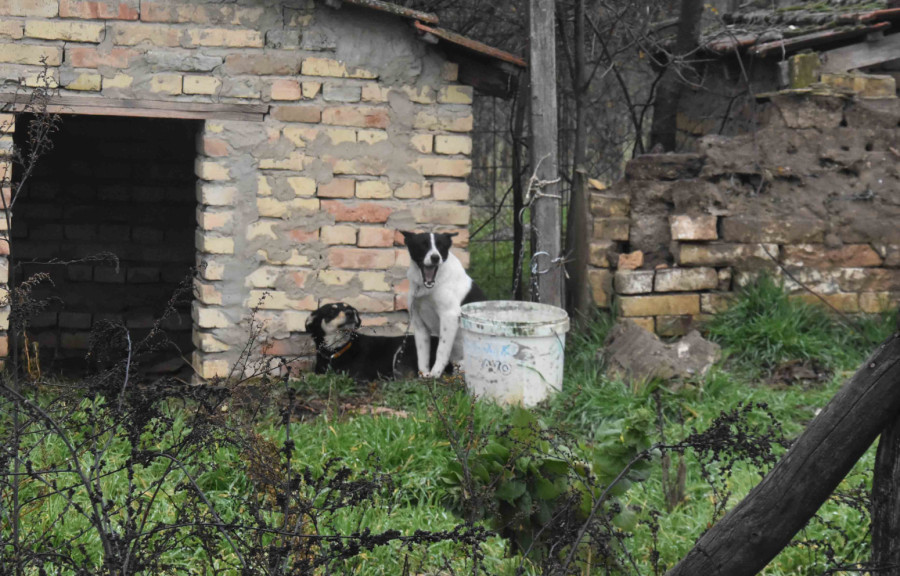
[861, 55]
[762, 524]
[797, 43]
[139, 108]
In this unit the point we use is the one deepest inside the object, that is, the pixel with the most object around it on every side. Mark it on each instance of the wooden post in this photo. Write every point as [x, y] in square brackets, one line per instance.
[763, 523]
[546, 236]
[886, 502]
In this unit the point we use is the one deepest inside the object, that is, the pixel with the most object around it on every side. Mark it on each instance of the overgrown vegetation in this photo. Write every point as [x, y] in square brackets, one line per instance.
[317, 475]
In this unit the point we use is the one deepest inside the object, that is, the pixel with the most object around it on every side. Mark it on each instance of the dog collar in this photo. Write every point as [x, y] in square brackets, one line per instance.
[341, 351]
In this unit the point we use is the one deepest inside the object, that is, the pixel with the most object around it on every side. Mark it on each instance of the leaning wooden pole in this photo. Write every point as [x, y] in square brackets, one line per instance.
[546, 223]
[886, 503]
[763, 523]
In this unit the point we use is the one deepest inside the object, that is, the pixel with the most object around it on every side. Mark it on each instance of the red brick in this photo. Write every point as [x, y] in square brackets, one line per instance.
[375, 237]
[362, 212]
[360, 258]
[102, 10]
[214, 147]
[300, 277]
[90, 57]
[338, 188]
[299, 235]
[361, 116]
[285, 89]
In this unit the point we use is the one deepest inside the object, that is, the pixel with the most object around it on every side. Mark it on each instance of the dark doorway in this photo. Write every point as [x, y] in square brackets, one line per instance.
[118, 186]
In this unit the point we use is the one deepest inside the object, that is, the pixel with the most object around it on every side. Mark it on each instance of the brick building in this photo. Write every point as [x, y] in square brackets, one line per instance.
[277, 146]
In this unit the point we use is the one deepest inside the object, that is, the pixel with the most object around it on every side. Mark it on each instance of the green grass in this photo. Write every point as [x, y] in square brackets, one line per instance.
[761, 330]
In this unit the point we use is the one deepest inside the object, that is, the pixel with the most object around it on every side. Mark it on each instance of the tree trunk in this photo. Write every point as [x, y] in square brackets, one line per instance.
[664, 129]
[756, 530]
[546, 237]
[886, 502]
[579, 298]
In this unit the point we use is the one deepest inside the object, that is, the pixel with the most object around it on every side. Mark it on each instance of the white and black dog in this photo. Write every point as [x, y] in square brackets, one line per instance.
[438, 287]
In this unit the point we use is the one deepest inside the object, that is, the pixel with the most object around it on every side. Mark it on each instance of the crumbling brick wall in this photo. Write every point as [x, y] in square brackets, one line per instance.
[812, 197]
[367, 133]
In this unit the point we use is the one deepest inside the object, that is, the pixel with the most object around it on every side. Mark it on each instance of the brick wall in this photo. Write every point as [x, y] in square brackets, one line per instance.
[368, 133]
[119, 186]
[812, 197]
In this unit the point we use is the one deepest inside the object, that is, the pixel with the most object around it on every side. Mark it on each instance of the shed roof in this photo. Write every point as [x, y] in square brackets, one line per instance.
[758, 29]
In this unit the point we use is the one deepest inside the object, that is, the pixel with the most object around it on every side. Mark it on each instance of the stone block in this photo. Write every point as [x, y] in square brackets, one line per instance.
[634, 281]
[721, 254]
[225, 38]
[664, 167]
[669, 326]
[611, 229]
[442, 213]
[820, 256]
[715, 302]
[668, 305]
[600, 251]
[804, 69]
[844, 302]
[693, 227]
[631, 260]
[686, 279]
[873, 86]
[779, 230]
[601, 282]
[610, 206]
[878, 302]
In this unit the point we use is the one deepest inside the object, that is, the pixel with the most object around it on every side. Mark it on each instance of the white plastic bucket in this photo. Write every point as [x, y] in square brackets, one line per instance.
[513, 351]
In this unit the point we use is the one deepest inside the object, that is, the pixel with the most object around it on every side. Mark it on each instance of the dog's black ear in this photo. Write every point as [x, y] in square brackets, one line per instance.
[407, 236]
[451, 234]
[309, 321]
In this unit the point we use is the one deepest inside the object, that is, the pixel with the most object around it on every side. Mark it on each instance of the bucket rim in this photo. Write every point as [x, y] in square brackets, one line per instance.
[471, 320]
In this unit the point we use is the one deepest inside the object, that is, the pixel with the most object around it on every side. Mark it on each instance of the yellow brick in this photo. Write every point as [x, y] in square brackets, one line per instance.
[166, 84]
[455, 94]
[207, 293]
[295, 162]
[29, 8]
[310, 89]
[133, 33]
[339, 234]
[375, 93]
[211, 270]
[440, 213]
[601, 286]
[374, 281]
[226, 37]
[68, 31]
[336, 277]
[419, 94]
[50, 79]
[452, 144]
[272, 208]
[213, 245]
[444, 120]
[453, 167]
[118, 81]
[450, 191]
[412, 190]
[30, 54]
[341, 135]
[278, 300]
[262, 186]
[213, 220]
[373, 189]
[262, 229]
[329, 67]
[12, 29]
[263, 277]
[302, 186]
[208, 343]
[211, 369]
[371, 136]
[423, 143]
[201, 84]
[86, 81]
[211, 171]
[294, 258]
